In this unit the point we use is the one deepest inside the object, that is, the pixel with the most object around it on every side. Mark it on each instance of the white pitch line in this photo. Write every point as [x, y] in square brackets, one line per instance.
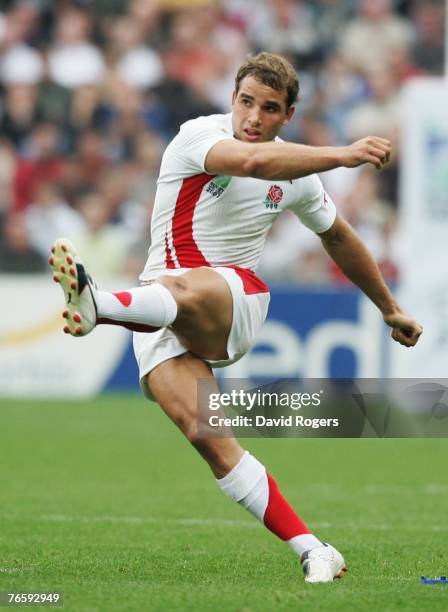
[203, 522]
[129, 520]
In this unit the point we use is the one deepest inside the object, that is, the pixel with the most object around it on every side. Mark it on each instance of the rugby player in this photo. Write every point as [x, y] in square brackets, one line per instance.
[224, 179]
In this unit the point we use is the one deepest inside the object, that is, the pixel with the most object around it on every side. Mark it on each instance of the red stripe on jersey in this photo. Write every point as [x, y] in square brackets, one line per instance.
[168, 259]
[186, 250]
[251, 283]
[279, 517]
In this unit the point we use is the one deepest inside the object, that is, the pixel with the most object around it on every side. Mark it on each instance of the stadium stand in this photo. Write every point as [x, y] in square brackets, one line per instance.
[91, 91]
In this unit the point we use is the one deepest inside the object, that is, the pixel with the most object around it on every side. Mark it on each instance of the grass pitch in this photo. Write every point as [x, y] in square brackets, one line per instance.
[105, 501]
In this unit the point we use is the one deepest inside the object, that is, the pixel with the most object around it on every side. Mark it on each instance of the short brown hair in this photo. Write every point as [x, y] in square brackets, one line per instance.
[271, 70]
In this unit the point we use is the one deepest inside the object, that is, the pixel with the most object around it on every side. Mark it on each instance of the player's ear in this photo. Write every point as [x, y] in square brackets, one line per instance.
[234, 95]
[289, 113]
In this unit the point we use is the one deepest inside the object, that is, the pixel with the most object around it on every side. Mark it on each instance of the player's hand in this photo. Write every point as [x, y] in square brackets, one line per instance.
[405, 330]
[371, 150]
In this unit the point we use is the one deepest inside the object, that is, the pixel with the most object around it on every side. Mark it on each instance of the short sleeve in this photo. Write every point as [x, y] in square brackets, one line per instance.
[314, 207]
[194, 141]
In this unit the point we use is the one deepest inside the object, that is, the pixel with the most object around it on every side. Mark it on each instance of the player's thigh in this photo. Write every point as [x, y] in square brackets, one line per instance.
[205, 311]
[174, 385]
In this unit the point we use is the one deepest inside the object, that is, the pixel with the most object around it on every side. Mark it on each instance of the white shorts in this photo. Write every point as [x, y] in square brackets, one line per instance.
[250, 307]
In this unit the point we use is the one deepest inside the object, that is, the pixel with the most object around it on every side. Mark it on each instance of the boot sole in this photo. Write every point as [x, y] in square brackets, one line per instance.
[63, 265]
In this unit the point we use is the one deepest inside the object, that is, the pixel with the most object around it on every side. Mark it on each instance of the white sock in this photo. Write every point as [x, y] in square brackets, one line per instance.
[249, 484]
[302, 543]
[151, 305]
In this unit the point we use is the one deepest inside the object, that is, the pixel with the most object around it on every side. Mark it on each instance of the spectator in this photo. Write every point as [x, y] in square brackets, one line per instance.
[40, 163]
[87, 110]
[371, 36]
[286, 26]
[133, 62]
[374, 220]
[148, 153]
[20, 114]
[332, 17]
[114, 188]
[147, 14]
[163, 112]
[91, 156]
[231, 45]
[429, 47]
[73, 60]
[403, 66]
[191, 51]
[21, 69]
[21, 24]
[72, 180]
[16, 251]
[103, 246]
[50, 217]
[380, 113]
[343, 89]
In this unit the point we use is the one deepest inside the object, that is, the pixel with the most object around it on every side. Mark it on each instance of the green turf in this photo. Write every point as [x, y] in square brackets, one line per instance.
[106, 502]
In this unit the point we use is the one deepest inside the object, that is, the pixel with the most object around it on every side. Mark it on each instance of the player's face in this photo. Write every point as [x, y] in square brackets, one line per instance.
[258, 111]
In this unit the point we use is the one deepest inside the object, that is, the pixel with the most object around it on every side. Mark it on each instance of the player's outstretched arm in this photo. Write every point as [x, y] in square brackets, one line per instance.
[346, 248]
[288, 161]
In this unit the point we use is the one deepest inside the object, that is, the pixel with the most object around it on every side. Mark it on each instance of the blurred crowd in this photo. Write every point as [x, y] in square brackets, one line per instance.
[91, 92]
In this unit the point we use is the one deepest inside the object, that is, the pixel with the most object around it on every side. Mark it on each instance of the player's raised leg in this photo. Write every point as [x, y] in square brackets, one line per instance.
[139, 309]
[239, 474]
[197, 304]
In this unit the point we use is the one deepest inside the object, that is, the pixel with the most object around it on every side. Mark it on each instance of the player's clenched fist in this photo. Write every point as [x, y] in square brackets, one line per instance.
[373, 150]
[405, 330]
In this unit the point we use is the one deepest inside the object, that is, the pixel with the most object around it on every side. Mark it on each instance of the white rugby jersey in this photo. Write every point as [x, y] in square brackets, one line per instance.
[201, 219]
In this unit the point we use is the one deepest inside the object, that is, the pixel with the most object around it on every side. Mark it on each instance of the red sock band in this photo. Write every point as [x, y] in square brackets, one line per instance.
[124, 297]
[279, 517]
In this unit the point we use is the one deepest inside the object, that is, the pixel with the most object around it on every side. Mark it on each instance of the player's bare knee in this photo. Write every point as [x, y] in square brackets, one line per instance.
[186, 297]
[175, 284]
